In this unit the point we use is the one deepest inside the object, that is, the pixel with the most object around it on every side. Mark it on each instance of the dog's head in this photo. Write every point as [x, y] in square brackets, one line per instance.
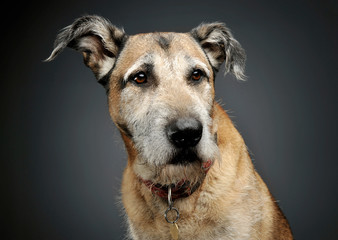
[160, 89]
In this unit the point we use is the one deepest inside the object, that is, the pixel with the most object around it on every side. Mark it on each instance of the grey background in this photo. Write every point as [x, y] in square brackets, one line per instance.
[62, 157]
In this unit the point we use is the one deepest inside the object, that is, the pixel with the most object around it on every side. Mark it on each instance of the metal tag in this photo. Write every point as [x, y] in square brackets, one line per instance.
[174, 231]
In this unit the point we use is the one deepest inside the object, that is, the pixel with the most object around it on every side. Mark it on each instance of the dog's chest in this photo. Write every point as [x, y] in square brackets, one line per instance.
[206, 230]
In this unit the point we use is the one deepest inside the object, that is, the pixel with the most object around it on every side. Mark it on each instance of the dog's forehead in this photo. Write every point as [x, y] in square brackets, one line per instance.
[166, 45]
[166, 41]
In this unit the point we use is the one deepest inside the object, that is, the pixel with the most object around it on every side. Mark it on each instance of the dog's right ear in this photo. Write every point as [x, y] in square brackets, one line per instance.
[97, 39]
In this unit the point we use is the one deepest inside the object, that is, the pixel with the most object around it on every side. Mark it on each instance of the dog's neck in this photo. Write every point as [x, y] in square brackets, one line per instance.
[181, 189]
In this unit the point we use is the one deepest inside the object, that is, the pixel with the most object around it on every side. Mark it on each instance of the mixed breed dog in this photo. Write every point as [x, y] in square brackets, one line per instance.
[189, 174]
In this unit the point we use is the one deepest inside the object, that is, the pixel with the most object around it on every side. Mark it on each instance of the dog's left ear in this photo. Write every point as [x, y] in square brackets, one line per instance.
[219, 45]
[97, 39]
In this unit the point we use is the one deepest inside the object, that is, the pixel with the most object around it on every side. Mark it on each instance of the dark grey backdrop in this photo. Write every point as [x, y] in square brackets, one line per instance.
[62, 157]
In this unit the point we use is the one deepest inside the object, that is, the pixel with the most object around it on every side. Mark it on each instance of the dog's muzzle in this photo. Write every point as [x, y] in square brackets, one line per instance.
[185, 134]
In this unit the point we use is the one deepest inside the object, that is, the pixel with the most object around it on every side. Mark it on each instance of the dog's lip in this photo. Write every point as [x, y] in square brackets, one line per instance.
[174, 162]
[185, 157]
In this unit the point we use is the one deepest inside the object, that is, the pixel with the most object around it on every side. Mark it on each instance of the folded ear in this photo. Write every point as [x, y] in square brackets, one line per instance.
[97, 39]
[219, 45]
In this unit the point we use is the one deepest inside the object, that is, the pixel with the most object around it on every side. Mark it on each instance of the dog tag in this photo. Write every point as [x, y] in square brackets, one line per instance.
[174, 231]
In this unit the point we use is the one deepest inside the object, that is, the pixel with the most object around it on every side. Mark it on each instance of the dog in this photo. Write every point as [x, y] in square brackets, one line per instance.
[189, 174]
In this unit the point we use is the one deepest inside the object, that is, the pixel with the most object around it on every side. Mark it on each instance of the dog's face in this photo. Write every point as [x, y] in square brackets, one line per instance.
[160, 88]
[162, 80]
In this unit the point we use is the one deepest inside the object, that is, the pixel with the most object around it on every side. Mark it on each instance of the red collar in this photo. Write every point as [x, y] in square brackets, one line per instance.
[180, 190]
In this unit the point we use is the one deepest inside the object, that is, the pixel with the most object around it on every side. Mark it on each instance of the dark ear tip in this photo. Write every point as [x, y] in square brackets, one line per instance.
[54, 54]
[49, 59]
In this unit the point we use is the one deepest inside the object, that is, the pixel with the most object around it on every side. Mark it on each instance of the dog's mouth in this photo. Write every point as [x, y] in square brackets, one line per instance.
[180, 189]
[183, 172]
[185, 157]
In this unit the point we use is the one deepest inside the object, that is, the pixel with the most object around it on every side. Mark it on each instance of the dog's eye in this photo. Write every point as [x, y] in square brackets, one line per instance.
[197, 75]
[140, 78]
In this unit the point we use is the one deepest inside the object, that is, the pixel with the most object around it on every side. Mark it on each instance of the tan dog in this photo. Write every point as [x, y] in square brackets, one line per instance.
[186, 160]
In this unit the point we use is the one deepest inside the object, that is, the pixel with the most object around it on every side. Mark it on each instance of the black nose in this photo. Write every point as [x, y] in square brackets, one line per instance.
[185, 132]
